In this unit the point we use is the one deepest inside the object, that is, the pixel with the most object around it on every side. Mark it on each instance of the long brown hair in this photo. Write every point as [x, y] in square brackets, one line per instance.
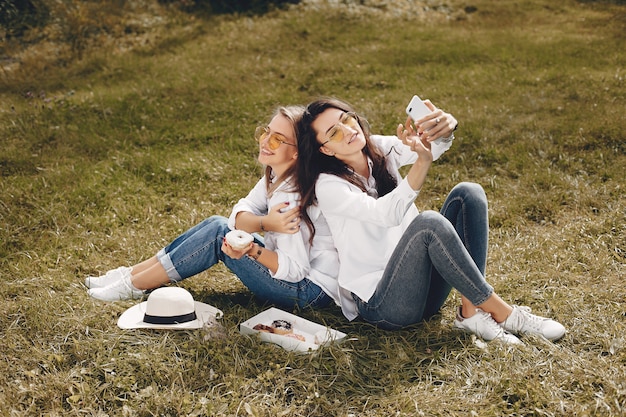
[294, 115]
[312, 162]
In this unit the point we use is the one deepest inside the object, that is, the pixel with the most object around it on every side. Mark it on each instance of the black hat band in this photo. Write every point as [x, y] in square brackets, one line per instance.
[183, 318]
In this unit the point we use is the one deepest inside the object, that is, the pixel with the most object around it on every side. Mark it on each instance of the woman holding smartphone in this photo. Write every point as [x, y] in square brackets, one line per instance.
[287, 267]
[397, 266]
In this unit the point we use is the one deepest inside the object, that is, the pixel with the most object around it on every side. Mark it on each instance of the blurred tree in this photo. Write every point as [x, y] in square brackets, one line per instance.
[17, 16]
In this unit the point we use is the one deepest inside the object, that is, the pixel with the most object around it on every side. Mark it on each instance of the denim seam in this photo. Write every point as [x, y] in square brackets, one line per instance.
[435, 240]
[466, 279]
[392, 272]
[463, 210]
[317, 299]
[195, 253]
[281, 282]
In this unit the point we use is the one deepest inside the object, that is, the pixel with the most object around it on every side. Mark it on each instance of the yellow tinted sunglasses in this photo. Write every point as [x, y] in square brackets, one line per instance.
[274, 140]
[336, 133]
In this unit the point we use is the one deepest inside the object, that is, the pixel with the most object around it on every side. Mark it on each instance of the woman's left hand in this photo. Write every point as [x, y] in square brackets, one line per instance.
[435, 125]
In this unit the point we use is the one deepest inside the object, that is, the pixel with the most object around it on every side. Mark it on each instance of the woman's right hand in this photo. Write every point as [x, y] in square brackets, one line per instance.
[418, 143]
[282, 222]
[234, 253]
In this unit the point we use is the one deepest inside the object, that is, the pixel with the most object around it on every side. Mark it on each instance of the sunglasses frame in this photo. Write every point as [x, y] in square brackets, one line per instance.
[344, 121]
[273, 139]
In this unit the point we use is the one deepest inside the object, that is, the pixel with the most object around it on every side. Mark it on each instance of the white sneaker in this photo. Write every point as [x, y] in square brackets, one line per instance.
[122, 289]
[109, 278]
[484, 326]
[522, 321]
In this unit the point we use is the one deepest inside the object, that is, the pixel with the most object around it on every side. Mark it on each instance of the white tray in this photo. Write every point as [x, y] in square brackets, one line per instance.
[315, 335]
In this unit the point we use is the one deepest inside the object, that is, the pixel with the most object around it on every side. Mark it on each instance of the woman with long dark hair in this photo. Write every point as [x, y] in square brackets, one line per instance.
[398, 266]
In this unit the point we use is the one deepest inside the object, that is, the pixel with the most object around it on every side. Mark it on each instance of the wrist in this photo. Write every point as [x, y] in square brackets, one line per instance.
[449, 138]
[255, 252]
[261, 223]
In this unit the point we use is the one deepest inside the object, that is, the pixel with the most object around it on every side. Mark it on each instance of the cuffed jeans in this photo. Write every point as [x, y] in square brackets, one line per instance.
[438, 252]
[199, 248]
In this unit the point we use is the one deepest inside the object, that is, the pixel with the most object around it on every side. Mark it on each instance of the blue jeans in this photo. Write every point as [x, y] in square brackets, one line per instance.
[199, 248]
[437, 252]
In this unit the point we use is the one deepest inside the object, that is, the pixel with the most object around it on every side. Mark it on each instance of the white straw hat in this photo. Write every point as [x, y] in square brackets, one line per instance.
[168, 308]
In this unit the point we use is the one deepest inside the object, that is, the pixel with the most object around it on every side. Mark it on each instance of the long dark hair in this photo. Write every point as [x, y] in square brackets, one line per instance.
[312, 162]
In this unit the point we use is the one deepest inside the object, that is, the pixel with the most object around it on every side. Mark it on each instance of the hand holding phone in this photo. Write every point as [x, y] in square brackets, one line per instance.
[418, 109]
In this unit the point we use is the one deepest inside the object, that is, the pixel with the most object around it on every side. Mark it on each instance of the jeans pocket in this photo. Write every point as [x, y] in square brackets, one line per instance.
[372, 315]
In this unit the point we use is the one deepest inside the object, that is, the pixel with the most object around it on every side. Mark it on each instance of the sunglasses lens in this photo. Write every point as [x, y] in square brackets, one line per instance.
[273, 143]
[259, 134]
[274, 140]
[335, 135]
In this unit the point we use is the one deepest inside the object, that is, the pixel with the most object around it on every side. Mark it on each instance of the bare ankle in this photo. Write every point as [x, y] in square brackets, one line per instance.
[467, 311]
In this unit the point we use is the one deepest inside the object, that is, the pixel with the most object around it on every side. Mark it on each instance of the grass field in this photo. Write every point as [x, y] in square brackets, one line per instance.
[141, 126]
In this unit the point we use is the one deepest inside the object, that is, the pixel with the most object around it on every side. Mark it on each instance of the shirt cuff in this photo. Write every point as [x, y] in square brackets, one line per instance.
[406, 190]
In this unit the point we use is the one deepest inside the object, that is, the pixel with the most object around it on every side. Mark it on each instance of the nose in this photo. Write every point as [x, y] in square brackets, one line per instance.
[345, 128]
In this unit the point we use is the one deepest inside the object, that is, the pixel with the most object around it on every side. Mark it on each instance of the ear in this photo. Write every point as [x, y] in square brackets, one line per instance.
[295, 156]
[326, 151]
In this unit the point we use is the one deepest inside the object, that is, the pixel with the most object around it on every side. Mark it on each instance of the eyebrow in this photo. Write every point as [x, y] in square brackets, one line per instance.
[275, 132]
[340, 116]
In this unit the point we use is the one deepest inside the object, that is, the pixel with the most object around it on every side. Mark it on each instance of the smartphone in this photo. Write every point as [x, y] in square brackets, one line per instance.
[417, 109]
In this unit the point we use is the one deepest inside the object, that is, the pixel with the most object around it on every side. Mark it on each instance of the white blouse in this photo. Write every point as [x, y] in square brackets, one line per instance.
[297, 259]
[366, 229]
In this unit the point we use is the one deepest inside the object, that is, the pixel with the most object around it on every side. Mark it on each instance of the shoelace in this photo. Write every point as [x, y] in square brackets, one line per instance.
[525, 319]
[486, 317]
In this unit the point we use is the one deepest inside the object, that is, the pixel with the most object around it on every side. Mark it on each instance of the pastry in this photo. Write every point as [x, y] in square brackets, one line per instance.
[280, 327]
[238, 239]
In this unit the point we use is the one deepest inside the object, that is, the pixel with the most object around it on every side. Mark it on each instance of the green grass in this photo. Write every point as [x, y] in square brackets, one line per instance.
[108, 157]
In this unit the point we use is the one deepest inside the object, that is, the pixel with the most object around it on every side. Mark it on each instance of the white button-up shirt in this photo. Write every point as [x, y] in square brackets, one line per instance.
[366, 229]
[297, 259]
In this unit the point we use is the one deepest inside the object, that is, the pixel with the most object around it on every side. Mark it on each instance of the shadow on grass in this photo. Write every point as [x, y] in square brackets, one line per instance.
[247, 7]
